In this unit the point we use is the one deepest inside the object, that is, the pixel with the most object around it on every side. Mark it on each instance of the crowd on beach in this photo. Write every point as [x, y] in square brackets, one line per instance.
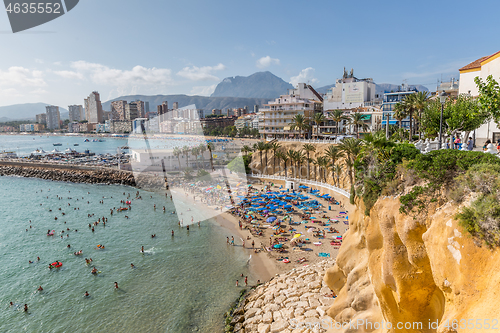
[298, 224]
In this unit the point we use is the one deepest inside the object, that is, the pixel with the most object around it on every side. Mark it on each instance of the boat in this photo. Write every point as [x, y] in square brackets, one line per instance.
[57, 144]
[86, 140]
[76, 144]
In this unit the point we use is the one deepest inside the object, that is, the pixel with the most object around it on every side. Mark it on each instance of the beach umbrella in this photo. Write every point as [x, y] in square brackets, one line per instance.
[271, 219]
[278, 246]
[297, 235]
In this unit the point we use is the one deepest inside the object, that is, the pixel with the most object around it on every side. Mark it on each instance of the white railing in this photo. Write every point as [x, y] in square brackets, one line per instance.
[307, 140]
[305, 181]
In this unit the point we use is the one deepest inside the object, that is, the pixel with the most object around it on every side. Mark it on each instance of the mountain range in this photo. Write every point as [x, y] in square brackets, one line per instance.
[232, 92]
[27, 111]
[258, 85]
[201, 102]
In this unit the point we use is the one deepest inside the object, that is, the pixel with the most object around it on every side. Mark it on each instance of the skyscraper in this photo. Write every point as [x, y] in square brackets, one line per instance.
[141, 112]
[93, 108]
[118, 110]
[131, 111]
[41, 118]
[53, 117]
[175, 106]
[75, 113]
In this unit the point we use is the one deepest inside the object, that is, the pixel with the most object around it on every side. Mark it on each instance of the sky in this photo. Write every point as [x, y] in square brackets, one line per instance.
[121, 47]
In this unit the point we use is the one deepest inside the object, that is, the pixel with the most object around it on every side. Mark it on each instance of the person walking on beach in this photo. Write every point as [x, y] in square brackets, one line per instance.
[246, 281]
[232, 240]
[253, 244]
[227, 240]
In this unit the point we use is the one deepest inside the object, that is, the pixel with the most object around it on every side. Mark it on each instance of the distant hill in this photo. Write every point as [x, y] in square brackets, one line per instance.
[380, 88]
[258, 85]
[26, 111]
[201, 102]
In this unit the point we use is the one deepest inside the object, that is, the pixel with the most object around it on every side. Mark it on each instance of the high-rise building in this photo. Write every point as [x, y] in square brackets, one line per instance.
[175, 106]
[41, 118]
[118, 110]
[75, 113]
[53, 117]
[93, 108]
[163, 108]
[141, 110]
[146, 106]
[131, 111]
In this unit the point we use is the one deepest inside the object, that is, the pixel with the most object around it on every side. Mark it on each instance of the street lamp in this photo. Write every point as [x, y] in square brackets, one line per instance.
[442, 99]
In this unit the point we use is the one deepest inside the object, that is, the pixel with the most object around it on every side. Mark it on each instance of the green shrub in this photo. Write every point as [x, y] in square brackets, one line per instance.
[410, 200]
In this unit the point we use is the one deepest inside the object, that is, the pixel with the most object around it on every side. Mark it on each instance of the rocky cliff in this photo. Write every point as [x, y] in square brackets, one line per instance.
[417, 270]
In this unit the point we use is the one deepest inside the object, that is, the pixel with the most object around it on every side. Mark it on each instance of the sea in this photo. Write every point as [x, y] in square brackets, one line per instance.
[181, 283]
[24, 145]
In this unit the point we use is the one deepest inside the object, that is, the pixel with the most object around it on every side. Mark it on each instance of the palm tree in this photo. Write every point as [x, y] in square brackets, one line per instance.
[318, 118]
[284, 158]
[337, 116]
[185, 151]
[351, 148]
[299, 122]
[202, 149]
[334, 153]
[420, 102]
[210, 147]
[308, 148]
[274, 147]
[267, 147]
[291, 155]
[323, 163]
[410, 103]
[399, 112]
[299, 158]
[315, 163]
[336, 171]
[246, 149]
[357, 120]
[195, 152]
[177, 153]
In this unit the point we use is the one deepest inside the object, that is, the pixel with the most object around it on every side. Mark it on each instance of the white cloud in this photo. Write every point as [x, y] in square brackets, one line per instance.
[305, 76]
[69, 75]
[21, 77]
[139, 75]
[204, 73]
[267, 61]
[39, 91]
[203, 90]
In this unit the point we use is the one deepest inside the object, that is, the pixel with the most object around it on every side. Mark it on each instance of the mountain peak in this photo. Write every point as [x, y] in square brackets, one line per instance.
[258, 85]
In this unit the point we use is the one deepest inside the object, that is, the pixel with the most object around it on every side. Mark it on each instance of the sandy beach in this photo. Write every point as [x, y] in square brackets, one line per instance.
[316, 233]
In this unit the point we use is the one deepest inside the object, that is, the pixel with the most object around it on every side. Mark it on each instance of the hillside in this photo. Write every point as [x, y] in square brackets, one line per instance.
[258, 85]
[201, 102]
[26, 111]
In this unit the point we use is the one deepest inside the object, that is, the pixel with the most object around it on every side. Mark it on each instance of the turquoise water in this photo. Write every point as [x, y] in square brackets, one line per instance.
[180, 284]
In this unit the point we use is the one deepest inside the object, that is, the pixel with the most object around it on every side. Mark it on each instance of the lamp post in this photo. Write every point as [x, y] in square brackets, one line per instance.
[442, 99]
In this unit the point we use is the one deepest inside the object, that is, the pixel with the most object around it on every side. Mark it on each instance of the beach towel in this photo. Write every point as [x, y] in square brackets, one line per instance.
[323, 254]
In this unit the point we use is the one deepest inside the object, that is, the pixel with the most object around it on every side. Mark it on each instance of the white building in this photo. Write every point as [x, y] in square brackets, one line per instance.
[93, 108]
[156, 159]
[277, 116]
[349, 93]
[53, 117]
[482, 67]
[76, 113]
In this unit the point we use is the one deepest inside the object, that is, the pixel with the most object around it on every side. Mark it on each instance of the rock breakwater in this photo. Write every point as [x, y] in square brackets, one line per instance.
[72, 174]
[296, 301]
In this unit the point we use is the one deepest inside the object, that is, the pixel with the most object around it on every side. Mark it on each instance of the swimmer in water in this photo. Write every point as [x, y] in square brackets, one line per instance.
[132, 266]
[142, 249]
[86, 294]
[116, 285]
[94, 270]
[172, 233]
[40, 288]
[25, 307]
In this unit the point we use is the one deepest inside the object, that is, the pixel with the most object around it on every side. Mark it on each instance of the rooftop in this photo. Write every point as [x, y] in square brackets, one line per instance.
[477, 63]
